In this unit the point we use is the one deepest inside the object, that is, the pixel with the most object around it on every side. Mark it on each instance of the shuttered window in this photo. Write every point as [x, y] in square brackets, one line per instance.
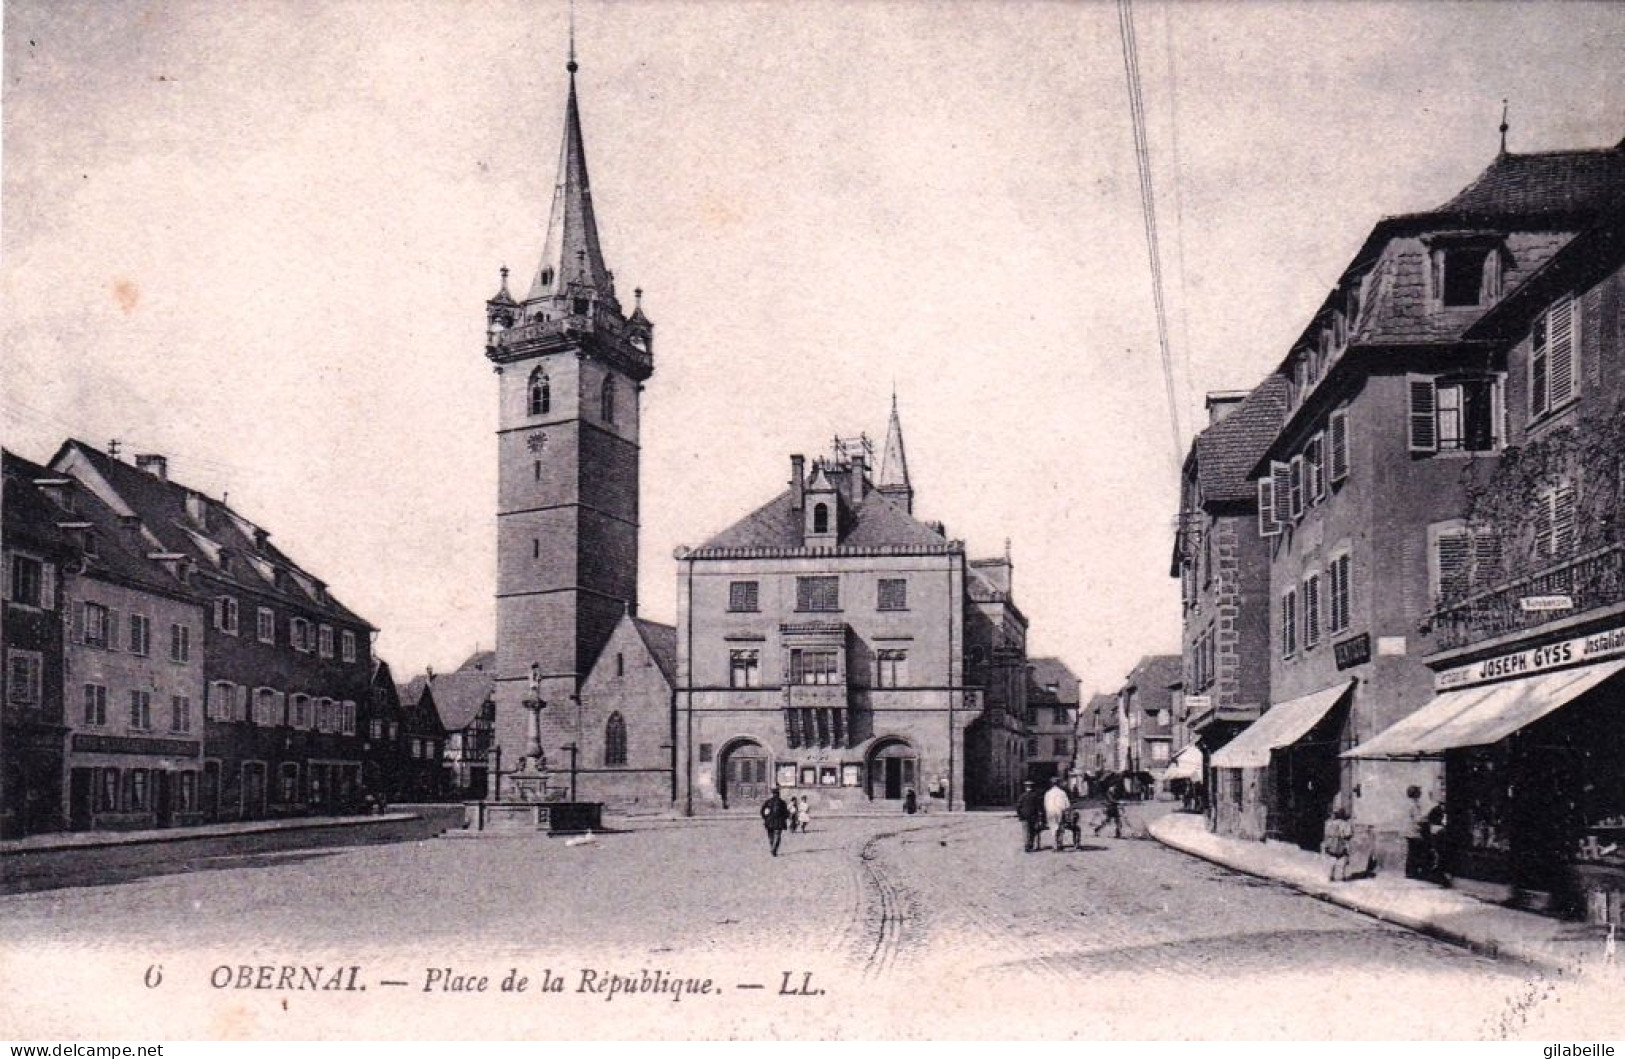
[1269, 525]
[1281, 483]
[743, 595]
[1554, 522]
[1289, 623]
[1314, 465]
[1311, 611]
[1466, 561]
[1338, 593]
[1424, 412]
[1337, 437]
[1295, 480]
[818, 593]
[1552, 379]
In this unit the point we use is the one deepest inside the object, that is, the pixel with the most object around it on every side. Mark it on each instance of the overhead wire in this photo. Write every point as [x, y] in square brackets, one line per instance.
[1148, 214]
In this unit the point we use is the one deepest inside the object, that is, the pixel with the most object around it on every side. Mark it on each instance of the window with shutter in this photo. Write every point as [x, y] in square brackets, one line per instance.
[1289, 623]
[1453, 564]
[1281, 484]
[1337, 432]
[1295, 486]
[1560, 353]
[1314, 462]
[1339, 589]
[1311, 611]
[1424, 432]
[1269, 525]
[1563, 528]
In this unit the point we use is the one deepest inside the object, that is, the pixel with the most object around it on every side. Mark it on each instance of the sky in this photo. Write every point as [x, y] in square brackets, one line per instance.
[258, 237]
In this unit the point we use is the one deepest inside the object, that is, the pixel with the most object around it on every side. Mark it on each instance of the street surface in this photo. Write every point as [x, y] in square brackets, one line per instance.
[907, 926]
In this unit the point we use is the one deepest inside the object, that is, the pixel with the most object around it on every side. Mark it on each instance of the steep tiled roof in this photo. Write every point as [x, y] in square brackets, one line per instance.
[484, 661]
[875, 521]
[458, 697]
[1550, 182]
[1227, 450]
[662, 643]
[29, 515]
[1048, 671]
[161, 505]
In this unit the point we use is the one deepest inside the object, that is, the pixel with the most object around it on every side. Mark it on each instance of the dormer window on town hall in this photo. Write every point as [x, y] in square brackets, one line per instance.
[1464, 269]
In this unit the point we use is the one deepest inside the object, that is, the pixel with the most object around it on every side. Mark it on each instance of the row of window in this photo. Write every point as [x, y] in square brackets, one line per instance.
[303, 635]
[94, 715]
[1306, 479]
[1321, 605]
[816, 666]
[100, 626]
[1468, 559]
[540, 398]
[270, 708]
[131, 791]
[1060, 746]
[820, 592]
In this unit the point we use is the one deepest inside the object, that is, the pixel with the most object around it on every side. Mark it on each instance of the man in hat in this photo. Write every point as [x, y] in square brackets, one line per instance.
[775, 817]
[1030, 811]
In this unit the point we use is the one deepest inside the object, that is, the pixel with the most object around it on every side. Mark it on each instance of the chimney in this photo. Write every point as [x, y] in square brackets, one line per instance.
[153, 464]
[1221, 403]
[860, 479]
[798, 482]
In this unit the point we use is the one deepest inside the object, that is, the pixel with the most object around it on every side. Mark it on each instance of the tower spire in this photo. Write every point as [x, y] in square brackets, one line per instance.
[570, 253]
[894, 481]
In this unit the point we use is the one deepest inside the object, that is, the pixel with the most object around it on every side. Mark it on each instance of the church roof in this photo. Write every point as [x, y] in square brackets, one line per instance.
[571, 252]
[661, 640]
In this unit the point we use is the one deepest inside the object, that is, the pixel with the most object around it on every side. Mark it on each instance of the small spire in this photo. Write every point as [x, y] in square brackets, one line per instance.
[637, 298]
[1503, 126]
[504, 271]
[571, 65]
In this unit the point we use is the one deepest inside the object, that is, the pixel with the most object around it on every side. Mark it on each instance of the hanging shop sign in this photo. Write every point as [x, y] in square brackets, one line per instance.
[1542, 603]
[1354, 651]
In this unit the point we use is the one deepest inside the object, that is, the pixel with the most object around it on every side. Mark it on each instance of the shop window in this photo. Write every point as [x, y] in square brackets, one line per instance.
[110, 791]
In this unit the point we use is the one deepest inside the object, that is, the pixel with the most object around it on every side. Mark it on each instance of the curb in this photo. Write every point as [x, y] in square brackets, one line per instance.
[1489, 947]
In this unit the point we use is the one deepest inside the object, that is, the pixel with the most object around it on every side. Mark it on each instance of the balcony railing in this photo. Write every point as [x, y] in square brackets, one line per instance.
[1588, 582]
[601, 322]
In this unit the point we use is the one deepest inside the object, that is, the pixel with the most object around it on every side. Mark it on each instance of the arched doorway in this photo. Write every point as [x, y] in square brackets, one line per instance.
[892, 769]
[743, 775]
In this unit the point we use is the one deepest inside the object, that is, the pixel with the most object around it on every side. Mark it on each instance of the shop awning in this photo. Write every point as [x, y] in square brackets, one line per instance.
[1483, 715]
[1282, 725]
[1186, 765]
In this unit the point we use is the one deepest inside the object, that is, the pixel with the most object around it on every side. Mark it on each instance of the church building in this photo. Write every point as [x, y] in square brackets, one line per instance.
[571, 364]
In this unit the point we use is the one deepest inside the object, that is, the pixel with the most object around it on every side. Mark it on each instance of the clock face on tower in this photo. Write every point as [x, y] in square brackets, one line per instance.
[536, 442]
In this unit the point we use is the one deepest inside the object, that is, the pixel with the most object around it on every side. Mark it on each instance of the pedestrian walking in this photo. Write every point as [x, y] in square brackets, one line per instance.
[775, 816]
[1056, 803]
[1030, 811]
[1112, 813]
[911, 803]
[1339, 836]
[794, 805]
[806, 814]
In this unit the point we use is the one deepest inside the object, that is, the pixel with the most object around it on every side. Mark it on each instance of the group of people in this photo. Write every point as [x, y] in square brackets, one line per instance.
[779, 816]
[1425, 852]
[1053, 811]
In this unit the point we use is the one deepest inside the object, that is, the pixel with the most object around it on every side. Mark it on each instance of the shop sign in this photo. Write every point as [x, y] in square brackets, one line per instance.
[1195, 704]
[1578, 651]
[123, 744]
[1354, 651]
[1530, 603]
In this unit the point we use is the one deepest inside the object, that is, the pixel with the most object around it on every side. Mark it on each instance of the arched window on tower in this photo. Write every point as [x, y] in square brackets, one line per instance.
[541, 393]
[615, 740]
[609, 400]
[820, 519]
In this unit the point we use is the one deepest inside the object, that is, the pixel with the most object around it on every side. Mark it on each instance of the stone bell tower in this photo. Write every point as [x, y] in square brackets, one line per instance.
[570, 366]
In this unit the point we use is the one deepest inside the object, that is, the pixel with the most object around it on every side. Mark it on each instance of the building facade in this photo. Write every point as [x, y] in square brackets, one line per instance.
[285, 664]
[834, 646]
[1394, 411]
[1223, 565]
[571, 367]
[35, 555]
[1052, 720]
[405, 744]
[622, 731]
[1145, 722]
[1524, 633]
